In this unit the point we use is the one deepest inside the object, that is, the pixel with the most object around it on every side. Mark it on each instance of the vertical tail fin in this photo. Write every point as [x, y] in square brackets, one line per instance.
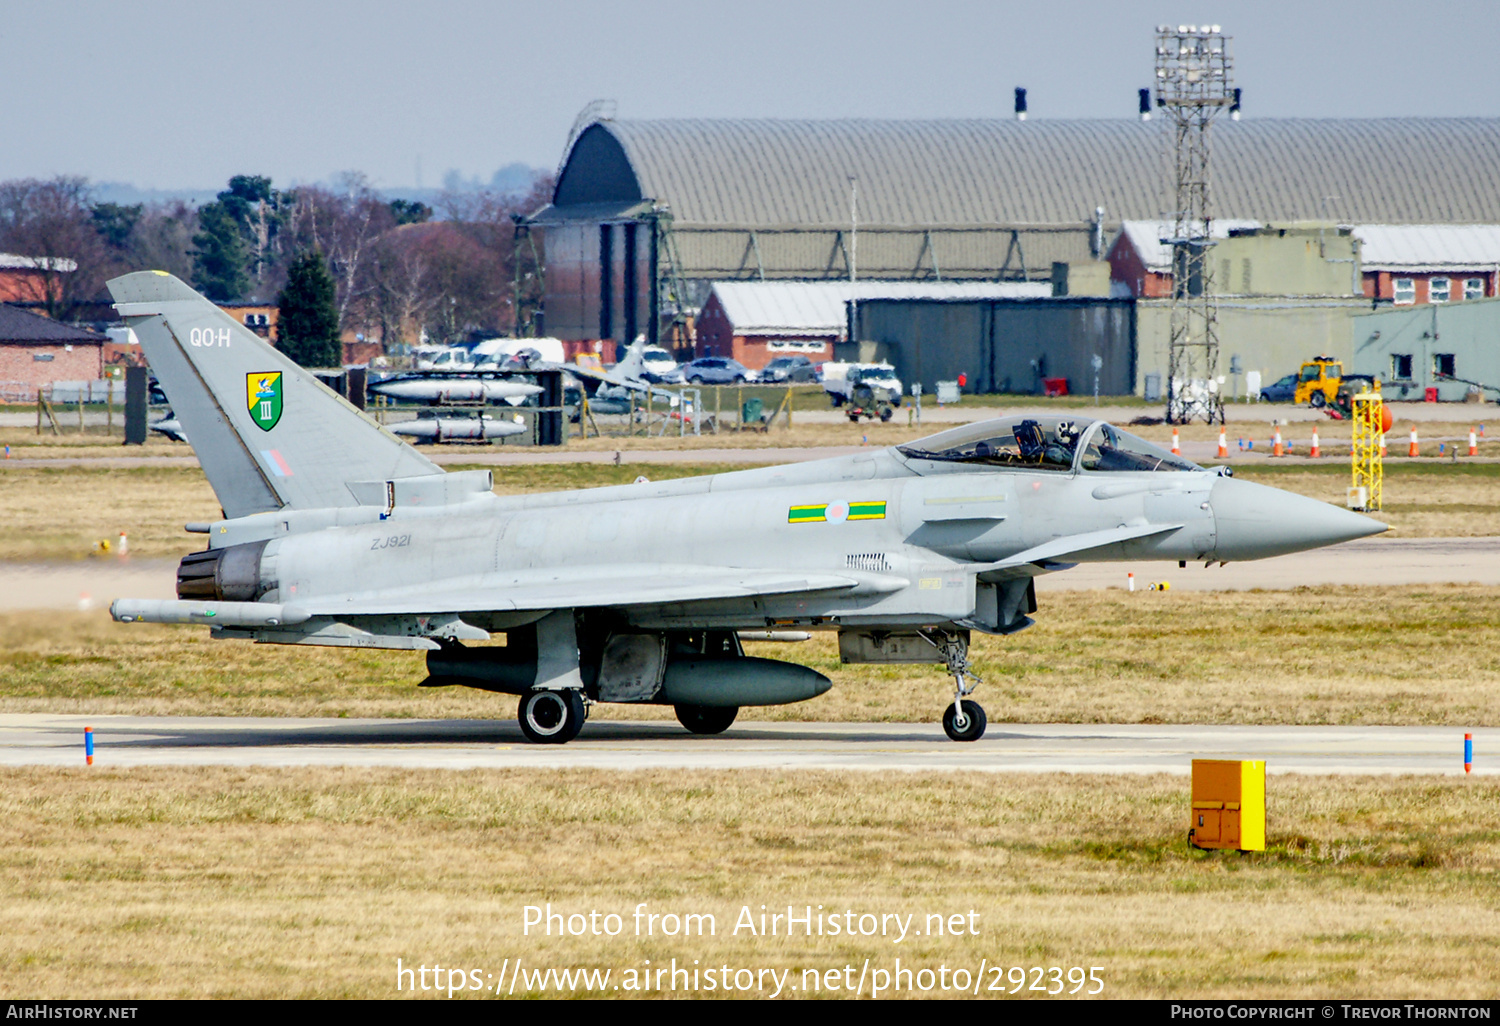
[267, 432]
[632, 366]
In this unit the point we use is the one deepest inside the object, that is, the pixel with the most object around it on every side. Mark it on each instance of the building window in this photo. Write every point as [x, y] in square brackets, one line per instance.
[42, 357]
[1405, 291]
[1442, 365]
[1401, 367]
[1473, 288]
[1440, 290]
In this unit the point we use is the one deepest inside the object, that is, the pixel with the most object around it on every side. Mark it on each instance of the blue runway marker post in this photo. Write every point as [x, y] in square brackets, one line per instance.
[88, 746]
[1468, 753]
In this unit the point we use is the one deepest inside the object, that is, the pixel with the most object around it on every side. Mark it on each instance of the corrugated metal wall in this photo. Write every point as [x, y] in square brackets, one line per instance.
[1007, 345]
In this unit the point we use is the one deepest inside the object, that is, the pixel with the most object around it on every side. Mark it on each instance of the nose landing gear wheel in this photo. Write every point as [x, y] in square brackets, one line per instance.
[552, 717]
[972, 726]
[702, 719]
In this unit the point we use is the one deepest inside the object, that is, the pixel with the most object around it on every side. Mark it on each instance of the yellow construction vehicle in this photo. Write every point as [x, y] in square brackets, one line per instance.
[1318, 382]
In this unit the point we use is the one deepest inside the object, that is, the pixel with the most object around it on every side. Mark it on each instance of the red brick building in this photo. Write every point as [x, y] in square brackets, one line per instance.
[23, 279]
[36, 351]
[1429, 263]
[258, 317]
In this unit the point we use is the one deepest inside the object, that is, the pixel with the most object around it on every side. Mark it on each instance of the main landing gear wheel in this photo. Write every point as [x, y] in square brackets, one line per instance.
[970, 727]
[552, 717]
[703, 719]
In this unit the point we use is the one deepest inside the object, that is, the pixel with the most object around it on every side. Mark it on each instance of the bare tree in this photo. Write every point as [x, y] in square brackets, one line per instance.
[51, 222]
[399, 295]
[163, 240]
[345, 226]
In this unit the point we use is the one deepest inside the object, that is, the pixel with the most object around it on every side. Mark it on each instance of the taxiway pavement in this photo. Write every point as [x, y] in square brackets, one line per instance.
[123, 741]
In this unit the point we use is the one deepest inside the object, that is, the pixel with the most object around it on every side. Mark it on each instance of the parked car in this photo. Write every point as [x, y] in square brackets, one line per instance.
[789, 369]
[716, 370]
[1282, 390]
[454, 358]
[661, 369]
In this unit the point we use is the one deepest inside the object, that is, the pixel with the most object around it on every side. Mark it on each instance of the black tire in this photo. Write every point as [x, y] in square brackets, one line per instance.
[885, 414]
[739, 379]
[695, 381]
[1318, 400]
[973, 730]
[703, 719]
[838, 400]
[551, 717]
[854, 417]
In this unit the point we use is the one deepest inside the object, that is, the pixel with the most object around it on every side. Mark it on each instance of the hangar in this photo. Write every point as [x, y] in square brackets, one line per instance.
[646, 214]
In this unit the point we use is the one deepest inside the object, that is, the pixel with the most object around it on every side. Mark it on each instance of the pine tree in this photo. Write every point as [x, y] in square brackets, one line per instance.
[308, 323]
[221, 258]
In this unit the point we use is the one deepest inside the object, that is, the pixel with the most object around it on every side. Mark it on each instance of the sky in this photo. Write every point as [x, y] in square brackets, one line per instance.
[182, 95]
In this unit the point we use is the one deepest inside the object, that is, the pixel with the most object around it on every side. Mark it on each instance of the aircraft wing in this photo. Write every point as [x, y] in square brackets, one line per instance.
[577, 587]
[1063, 553]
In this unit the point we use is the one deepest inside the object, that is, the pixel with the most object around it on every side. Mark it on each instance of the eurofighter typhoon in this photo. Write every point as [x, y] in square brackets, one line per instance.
[336, 532]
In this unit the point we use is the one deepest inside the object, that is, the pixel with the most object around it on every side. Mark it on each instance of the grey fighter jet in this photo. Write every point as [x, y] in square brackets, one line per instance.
[336, 532]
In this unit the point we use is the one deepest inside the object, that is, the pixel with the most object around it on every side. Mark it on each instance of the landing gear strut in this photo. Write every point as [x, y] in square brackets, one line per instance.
[962, 721]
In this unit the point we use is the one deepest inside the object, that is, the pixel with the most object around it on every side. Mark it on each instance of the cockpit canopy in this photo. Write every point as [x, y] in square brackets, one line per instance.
[1045, 442]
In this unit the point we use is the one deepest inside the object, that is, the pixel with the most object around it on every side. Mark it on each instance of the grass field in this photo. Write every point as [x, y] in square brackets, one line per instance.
[217, 882]
[1330, 655]
[58, 513]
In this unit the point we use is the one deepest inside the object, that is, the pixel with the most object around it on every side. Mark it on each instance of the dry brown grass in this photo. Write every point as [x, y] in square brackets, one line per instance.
[1426, 655]
[220, 882]
[58, 513]
[1422, 500]
[25, 443]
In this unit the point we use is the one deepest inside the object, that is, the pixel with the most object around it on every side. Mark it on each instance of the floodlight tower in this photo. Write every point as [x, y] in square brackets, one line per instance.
[1192, 86]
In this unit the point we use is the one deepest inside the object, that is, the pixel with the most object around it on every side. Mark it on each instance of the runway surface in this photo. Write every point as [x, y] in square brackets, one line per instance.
[122, 741]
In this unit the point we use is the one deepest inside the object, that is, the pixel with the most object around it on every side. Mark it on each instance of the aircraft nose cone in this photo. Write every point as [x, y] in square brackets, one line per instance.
[1254, 521]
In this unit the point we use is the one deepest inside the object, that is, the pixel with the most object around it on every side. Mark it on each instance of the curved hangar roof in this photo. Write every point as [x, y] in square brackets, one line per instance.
[931, 173]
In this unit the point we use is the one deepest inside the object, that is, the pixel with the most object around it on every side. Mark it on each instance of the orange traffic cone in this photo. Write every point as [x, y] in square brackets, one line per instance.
[1382, 445]
[1277, 449]
[1176, 446]
[1315, 452]
[1473, 443]
[1223, 446]
[1412, 449]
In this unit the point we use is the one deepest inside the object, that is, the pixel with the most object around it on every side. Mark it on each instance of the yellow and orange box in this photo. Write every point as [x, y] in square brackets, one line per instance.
[1229, 804]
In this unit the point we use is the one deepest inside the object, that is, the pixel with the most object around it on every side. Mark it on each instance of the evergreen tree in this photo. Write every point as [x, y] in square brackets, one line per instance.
[221, 257]
[115, 222]
[308, 324]
[410, 211]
